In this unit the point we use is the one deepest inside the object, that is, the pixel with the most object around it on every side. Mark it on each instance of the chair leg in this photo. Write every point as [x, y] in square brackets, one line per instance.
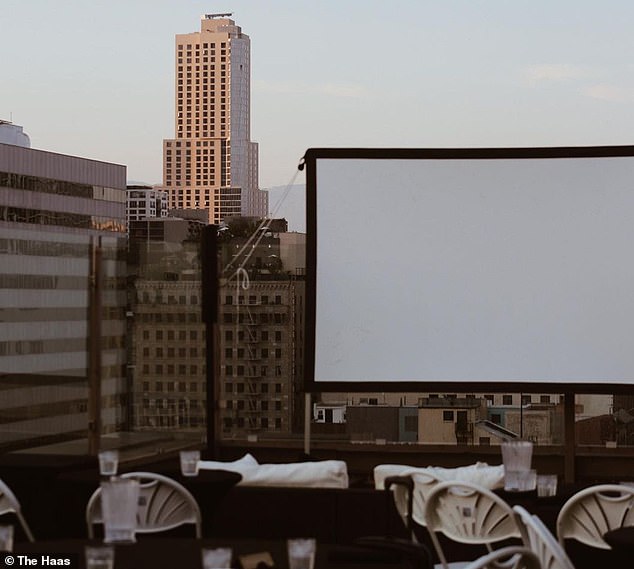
[25, 527]
[439, 551]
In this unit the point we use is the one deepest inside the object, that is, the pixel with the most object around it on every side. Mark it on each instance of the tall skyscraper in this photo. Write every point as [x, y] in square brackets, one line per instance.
[212, 163]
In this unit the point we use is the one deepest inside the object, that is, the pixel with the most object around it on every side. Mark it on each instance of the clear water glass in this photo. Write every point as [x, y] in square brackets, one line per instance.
[546, 485]
[6, 538]
[219, 558]
[301, 553]
[189, 462]
[99, 557]
[108, 462]
[119, 504]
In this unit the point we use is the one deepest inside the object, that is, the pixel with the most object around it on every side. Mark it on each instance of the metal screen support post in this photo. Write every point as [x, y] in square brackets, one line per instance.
[307, 415]
[209, 298]
[569, 437]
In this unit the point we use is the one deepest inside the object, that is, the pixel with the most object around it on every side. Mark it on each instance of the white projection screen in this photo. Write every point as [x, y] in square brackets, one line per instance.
[470, 269]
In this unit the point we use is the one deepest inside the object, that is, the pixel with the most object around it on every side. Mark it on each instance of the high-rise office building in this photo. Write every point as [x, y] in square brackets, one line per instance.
[62, 295]
[212, 163]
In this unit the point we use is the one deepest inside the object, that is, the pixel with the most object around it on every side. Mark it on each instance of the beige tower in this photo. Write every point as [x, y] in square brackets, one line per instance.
[212, 163]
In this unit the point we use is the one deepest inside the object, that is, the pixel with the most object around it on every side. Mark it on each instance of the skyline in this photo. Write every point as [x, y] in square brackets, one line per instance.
[96, 79]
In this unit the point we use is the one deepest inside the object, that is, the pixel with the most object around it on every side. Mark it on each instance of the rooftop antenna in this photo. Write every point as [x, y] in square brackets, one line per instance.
[212, 16]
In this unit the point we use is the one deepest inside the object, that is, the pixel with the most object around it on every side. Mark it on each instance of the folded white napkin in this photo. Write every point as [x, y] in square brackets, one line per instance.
[319, 474]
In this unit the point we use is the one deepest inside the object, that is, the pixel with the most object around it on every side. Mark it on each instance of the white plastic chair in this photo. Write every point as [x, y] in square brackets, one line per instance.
[9, 504]
[511, 557]
[410, 495]
[163, 505]
[402, 489]
[469, 514]
[538, 538]
[590, 513]
[423, 485]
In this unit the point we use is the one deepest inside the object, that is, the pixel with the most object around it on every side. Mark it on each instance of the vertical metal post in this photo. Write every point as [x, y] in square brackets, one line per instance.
[209, 294]
[569, 437]
[521, 415]
[94, 347]
[307, 416]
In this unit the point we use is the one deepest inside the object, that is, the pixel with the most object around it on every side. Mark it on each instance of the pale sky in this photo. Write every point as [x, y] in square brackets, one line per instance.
[94, 78]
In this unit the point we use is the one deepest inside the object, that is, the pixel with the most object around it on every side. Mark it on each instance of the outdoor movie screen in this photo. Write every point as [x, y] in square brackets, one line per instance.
[470, 268]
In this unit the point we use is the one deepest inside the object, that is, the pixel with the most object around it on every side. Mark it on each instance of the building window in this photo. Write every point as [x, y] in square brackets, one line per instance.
[447, 416]
[507, 400]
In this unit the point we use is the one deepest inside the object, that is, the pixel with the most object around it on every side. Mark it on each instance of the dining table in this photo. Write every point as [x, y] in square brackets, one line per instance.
[208, 487]
[157, 552]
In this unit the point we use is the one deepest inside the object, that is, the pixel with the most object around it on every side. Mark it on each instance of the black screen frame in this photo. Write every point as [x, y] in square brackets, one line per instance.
[310, 159]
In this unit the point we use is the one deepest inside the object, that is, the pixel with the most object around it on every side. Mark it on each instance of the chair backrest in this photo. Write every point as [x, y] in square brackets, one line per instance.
[590, 513]
[402, 489]
[538, 538]
[423, 485]
[511, 557]
[468, 513]
[10, 504]
[163, 505]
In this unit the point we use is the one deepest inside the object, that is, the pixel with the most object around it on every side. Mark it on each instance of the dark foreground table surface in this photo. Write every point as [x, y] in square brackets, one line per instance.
[154, 552]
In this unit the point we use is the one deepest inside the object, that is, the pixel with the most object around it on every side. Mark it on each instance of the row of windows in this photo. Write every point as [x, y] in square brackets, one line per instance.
[169, 421]
[253, 371]
[172, 404]
[526, 399]
[205, 45]
[253, 336]
[168, 318]
[28, 347]
[170, 299]
[59, 249]
[188, 143]
[190, 370]
[65, 314]
[171, 335]
[253, 299]
[262, 318]
[160, 352]
[240, 353]
[63, 219]
[42, 282]
[57, 187]
[241, 404]
[172, 386]
[240, 387]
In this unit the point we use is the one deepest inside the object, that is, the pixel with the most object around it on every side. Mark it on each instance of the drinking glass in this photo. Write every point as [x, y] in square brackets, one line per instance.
[189, 462]
[219, 558]
[119, 503]
[108, 462]
[301, 553]
[6, 538]
[517, 457]
[99, 557]
[546, 485]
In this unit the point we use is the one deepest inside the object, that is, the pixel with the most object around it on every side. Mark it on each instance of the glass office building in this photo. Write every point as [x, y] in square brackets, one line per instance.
[62, 297]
